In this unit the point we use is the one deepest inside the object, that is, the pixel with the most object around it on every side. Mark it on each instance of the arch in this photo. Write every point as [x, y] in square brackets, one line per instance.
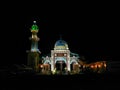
[73, 61]
[47, 61]
[60, 59]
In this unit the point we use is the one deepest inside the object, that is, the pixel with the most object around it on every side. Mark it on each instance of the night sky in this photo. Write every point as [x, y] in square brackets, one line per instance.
[90, 31]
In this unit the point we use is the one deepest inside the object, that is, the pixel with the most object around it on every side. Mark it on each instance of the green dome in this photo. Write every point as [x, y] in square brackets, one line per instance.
[34, 27]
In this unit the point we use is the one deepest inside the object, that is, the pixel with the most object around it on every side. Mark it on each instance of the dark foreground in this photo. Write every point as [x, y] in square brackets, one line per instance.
[82, 82]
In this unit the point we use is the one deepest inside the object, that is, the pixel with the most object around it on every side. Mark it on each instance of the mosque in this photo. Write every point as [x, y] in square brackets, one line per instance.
[60, 61]
[61, 58]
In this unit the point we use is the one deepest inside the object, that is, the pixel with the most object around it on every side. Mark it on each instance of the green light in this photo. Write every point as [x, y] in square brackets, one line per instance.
[34, 26]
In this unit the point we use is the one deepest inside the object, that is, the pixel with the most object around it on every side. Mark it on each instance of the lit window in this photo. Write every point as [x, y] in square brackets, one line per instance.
[55, 54]
[65, 54]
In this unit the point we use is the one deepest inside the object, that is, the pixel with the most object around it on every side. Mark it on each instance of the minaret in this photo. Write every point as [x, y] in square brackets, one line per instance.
[34, 38]
[33, 54]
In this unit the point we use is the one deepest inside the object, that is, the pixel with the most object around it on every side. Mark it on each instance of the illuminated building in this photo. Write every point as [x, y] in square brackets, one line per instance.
[60, 61]
[98, 67]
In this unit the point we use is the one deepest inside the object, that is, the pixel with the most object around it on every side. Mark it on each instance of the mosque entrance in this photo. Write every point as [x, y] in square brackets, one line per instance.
[60, 66]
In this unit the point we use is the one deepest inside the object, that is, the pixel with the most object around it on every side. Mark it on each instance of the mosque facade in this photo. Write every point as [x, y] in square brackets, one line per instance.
[61, 59]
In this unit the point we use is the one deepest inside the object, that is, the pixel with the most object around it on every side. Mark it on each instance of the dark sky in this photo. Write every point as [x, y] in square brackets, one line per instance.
[91, 31]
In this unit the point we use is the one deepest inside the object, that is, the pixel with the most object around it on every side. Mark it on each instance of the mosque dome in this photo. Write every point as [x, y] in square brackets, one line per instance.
[61, 45]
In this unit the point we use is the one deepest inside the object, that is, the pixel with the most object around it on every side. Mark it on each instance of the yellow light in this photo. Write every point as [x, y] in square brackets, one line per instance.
[99, 65]
[96, 66]
[104, 65]
[54, 71]
[92, 66]
[41, 66]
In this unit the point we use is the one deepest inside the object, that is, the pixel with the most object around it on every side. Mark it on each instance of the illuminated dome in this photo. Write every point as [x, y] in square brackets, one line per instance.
[61, 45]
[34, 27]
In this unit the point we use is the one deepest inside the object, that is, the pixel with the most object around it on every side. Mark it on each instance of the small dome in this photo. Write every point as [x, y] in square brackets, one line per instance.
[61, 45]
[34, 27]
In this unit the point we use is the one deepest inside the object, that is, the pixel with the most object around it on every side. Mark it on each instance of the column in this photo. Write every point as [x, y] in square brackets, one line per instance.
[68, 64]
[52, 64]
[68, 59]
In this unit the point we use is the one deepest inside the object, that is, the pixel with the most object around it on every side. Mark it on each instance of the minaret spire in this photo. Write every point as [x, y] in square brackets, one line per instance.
[34, 27]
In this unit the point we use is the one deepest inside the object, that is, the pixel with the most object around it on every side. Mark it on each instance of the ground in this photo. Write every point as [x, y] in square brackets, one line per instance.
[82, 82]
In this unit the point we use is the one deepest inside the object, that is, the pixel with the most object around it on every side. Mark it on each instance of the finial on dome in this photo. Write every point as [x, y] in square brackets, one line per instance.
[34, 22]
